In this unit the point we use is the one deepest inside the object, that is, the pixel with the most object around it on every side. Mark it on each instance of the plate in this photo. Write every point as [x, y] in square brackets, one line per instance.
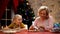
[11, 31]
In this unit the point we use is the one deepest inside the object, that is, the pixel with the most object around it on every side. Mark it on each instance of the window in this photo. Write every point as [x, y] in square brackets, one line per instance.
[8, 14]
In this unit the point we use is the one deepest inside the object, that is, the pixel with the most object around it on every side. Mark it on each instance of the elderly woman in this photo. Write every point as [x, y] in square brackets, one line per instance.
[44, 22]
[16, 22]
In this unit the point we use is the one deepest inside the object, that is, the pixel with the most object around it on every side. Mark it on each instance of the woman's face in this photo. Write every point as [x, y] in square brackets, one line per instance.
[42, 13]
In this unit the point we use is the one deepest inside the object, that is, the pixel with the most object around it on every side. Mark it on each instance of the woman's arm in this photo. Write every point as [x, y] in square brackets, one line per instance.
[31, 28]
[51, 22]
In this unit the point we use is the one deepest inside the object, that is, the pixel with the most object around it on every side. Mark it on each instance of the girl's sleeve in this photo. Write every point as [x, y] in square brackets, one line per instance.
[22, 25]
[11, 25]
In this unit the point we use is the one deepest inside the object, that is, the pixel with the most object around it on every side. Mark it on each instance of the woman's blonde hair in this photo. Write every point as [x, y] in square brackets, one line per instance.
[43, 8]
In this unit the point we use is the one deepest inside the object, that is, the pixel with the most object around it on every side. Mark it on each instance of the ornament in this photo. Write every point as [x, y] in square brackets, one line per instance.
[27, 3]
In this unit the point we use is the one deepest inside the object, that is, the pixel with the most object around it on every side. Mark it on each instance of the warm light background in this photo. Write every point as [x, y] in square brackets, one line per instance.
[54, 5]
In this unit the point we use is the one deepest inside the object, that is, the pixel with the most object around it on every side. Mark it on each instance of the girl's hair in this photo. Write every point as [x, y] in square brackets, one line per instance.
[15, 16]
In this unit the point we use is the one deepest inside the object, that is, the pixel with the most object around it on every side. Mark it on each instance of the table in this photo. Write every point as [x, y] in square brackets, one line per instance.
[42, 33]
[1, 32]
[29, 32]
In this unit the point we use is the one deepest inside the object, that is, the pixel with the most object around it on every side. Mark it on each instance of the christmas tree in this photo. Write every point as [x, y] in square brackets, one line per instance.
[27, 12]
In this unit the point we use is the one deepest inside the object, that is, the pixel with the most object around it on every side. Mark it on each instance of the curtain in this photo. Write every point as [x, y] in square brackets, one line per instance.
[3, 5]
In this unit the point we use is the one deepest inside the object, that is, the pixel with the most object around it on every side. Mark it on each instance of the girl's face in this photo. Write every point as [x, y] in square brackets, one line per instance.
[42, 14]
[18, 20]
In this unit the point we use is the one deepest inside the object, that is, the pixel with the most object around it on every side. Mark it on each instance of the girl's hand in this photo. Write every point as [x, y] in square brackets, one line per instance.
[6, 28]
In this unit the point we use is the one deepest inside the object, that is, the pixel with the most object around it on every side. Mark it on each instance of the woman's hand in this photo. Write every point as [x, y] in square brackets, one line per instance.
[41, 28]
[48, 30]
